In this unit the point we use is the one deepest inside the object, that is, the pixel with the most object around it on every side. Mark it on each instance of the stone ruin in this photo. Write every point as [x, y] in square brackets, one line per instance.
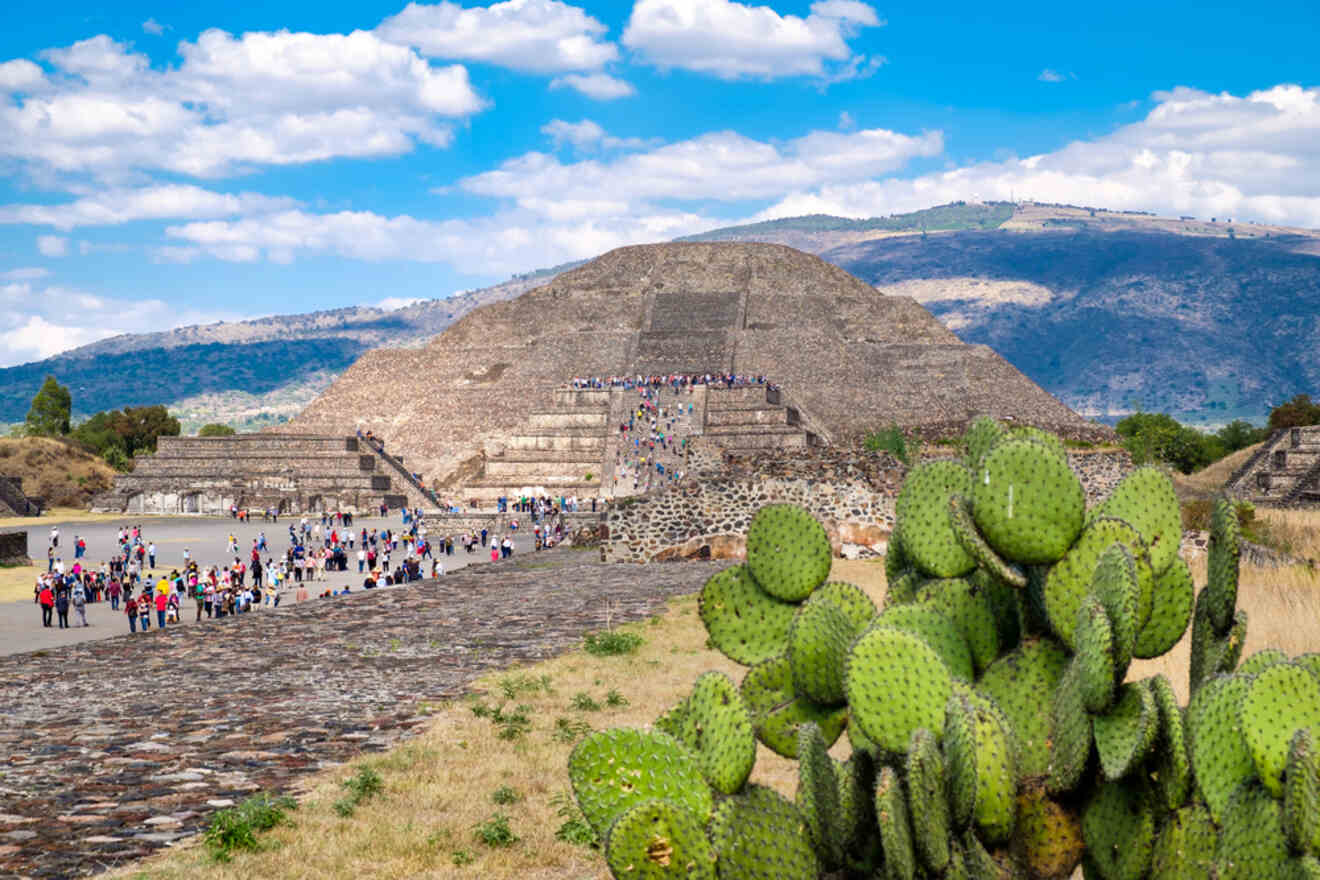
[14, 548]
[1284, 472]
[293, 474]
[849, 359]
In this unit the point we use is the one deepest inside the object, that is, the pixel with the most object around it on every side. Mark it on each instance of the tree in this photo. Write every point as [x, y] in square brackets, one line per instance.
[215, 429]
[1160, 437]
[141, 425]
[1239, 434]
[1296, 413]
[51, 407]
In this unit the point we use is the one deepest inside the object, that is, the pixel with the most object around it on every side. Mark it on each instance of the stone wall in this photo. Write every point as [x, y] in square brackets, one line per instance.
[852, 493]
[14, 548]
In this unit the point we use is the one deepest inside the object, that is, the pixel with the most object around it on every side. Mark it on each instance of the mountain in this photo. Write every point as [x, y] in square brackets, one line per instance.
[1110, 311]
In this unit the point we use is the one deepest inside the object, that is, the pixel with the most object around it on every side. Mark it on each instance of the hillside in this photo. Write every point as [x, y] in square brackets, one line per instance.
[1141, 312]
[56, 472]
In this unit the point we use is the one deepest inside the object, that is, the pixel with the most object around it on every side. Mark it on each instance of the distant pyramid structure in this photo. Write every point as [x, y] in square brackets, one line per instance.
[848, 359]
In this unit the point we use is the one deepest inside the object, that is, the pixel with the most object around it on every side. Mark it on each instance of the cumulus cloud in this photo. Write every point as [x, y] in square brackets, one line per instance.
[586, 135]
[25, 273]
[732, 40]
[161, 202]
[234, 103]
[598, 86]
[1051, 76]
[539, 36]
[1251, 157]
[52, 246]
[46, 320]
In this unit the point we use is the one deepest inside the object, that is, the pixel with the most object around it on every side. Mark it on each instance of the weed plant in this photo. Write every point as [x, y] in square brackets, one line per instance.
[612, 643]
[365, 785]
[236, 828]
[495, 831]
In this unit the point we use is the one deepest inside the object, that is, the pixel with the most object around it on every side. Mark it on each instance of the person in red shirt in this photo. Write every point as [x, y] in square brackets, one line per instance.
[47, 601]
[131, 609]
[162, 603]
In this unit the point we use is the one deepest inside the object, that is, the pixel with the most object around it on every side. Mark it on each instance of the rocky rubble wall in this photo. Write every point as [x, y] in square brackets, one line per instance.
[850, 493]
[14, 548]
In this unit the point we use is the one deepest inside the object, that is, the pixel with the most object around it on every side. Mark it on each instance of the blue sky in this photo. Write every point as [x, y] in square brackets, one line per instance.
[162, 165]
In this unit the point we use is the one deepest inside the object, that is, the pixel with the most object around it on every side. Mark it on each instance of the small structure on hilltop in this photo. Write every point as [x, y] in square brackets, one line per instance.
[848, 359]
[292, 474]
[1284, 472]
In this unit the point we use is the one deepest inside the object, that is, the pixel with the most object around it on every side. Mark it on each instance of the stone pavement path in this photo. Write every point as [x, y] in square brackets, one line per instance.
[110, 749]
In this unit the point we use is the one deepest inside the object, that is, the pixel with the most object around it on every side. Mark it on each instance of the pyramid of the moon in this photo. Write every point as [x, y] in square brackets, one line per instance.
[849, 358]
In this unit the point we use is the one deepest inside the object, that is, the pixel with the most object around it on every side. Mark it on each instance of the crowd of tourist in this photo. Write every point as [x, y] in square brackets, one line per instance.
[258, 576]
[653, 442]
[676, 381]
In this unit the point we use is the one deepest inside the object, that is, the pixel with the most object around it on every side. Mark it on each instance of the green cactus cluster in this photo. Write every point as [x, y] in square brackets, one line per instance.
[993, 728]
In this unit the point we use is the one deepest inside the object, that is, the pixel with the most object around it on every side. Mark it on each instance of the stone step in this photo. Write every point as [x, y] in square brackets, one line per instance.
[718, 430]
[746, 416]
[557, 442]
[573, 397]
[547, 455]
[722, 397]
[789, 440]
[553, 420]
[268, 467]
[206, 482]
[306, 442]
[523, 471]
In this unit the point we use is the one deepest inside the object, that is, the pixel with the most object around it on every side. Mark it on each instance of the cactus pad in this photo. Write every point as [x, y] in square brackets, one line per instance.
[1251, 843]
[1222, 565]
[788, 552]
[1070, 734]
[822, 632]
[1049, 834]
[746, 623]
[1018, 682]
[970, 612]
[895, 683]
[1185, 849]
[964, 529]
[761, 836]
[1170, 610]
[922, 507]
[1170, 766]
[1027, 502]
[717, 727]
[1145, 499]
[1095, 656]
[612, 770]
[656, 840]
[818, 796]
[777, 711]
[1126, 731]
[1280, 701]
[1119, 831]
[928, 801]
[937, 630]
[1262, 660]
[1221, 760]
[895, 830]
[1070, 581]
[1301, 793]
[856, 819]
[981, 436]
[1115, 586]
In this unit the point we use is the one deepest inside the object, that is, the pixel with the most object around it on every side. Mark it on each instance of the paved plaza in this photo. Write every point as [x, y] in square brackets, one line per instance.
[206, 539]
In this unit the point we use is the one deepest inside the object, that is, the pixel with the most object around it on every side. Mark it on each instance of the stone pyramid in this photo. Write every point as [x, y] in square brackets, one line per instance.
[851, 359]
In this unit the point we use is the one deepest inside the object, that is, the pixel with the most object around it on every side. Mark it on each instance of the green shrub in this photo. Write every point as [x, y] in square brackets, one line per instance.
[364, 785]
[236, 828]
[612, 643]
[504, 795]
[889, 440]
[584, 702]
[495, 831]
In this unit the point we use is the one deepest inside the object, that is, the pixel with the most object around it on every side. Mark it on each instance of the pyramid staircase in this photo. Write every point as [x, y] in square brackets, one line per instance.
[1284, 472]
[570, 447]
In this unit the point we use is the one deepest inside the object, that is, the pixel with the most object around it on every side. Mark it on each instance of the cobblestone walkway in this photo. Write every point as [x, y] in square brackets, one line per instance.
[110, 749]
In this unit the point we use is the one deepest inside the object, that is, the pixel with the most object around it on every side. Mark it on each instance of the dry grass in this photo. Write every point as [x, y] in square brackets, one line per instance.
[16, 582]
[56, 471]
[61, 515]
[438, 786]
[1208, 481]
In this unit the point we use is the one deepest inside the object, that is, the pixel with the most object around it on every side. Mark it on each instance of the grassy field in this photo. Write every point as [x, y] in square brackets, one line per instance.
[439, 789]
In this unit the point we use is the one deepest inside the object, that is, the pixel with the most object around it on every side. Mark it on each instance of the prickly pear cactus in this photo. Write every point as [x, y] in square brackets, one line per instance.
[994, 728]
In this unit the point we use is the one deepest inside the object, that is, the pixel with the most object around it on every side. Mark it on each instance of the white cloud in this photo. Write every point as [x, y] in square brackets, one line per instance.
[731, 40]
[391, 303]
[162, 202]
[722, 165]
[846, 121]
[1253, 157]
[540, 36]
[587, 135]
[265, 98]
[51, 319]
[25, 273]
[1051, 76]
[52, 245]
[151, 26]
[598, 86]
